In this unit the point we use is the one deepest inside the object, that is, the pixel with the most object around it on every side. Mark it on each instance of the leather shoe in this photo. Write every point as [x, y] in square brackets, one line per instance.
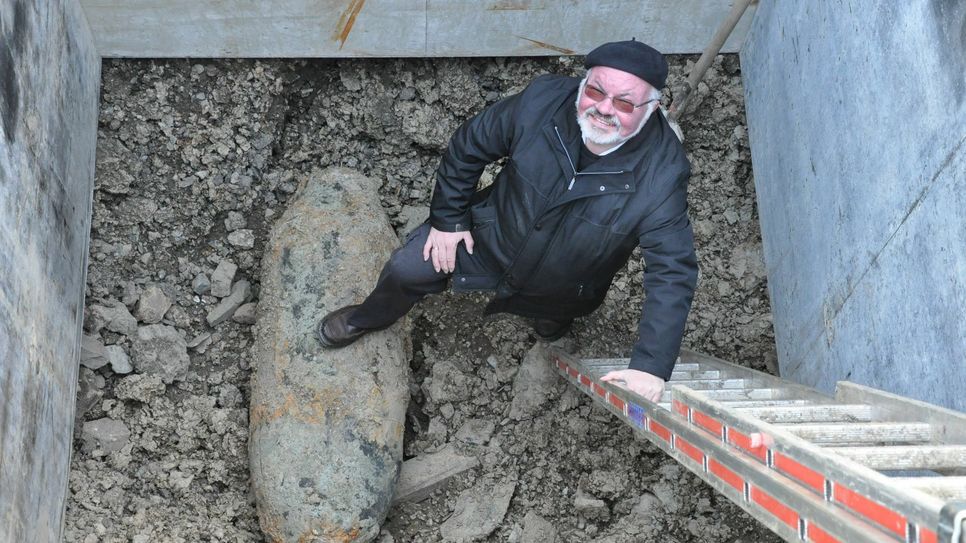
[335, 331]
[551, 330]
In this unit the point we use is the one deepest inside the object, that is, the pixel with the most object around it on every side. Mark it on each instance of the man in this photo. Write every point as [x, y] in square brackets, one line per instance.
[591, 173]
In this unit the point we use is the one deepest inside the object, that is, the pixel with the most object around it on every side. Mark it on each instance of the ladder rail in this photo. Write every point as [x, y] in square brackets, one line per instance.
[725, 421]
[762, 492]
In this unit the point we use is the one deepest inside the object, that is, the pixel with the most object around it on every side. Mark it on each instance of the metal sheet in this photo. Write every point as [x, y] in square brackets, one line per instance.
[399, 28]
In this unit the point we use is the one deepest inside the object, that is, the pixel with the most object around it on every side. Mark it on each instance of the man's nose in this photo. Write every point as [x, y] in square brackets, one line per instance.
[606, 106]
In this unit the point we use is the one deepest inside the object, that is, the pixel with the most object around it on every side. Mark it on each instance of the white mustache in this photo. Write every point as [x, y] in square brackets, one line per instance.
[609, 119]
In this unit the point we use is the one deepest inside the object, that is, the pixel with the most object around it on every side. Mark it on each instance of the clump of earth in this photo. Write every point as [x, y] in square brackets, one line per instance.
[196, 160]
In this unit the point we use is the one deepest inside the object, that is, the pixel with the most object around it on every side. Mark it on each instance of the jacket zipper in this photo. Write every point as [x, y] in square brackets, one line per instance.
[571, 161]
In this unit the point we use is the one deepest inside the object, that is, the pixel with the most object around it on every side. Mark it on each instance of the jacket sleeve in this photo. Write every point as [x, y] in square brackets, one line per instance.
[482, 139]
[670, 277]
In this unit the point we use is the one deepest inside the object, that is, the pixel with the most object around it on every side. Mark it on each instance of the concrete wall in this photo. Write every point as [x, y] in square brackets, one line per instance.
[399, 28]
[49, 80]
[857, 120]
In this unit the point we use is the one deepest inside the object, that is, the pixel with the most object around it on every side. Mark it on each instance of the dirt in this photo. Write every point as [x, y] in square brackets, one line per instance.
[196, 160]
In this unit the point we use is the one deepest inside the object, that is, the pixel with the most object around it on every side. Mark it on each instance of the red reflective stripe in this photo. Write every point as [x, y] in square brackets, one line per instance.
[726, 475]
[680, 408]
[818, 535]
[927, 536]
[878, 513]
[616, 402]
[661, 431]
[584, 380]
[781, 511]
[600, 390]
[707, 422]
[806, 476]
[573, 372]
[689, 449]
[744, 442]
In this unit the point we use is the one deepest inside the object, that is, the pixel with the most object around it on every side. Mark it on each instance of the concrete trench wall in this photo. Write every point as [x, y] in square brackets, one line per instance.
[857, 123]
[49, 81]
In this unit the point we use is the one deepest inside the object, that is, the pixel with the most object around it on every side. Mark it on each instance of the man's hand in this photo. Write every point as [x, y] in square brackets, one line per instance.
[642, 383]
[442, 247]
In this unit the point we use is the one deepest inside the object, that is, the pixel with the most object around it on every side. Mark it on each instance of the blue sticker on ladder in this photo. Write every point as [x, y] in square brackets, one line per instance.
[636, 414]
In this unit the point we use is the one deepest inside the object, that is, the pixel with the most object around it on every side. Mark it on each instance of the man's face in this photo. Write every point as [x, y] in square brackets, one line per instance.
[600, 122]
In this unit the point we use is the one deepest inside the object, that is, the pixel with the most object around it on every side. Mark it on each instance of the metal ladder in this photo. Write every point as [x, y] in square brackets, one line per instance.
[863, 466]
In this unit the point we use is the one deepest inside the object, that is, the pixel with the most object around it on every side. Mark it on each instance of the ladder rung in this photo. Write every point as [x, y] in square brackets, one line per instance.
[906, 457]
[867, 432]
[691, 375]
[765, 403]
[811, 413]
[740, 394]
[714, 384]
[947, 488]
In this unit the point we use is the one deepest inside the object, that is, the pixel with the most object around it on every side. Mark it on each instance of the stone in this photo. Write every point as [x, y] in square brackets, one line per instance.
[243, 239]
[479, 510]
[160, 350]
[590, 507]
[200, 342]
[90, 391]
[245, 314]
[534, 384]
[327, 465]
[152, 305]
[476, 431]
[120, 363]
[241, 292]
[105, 435]
[537, 529]
[115, 318]
[235, 221]
[142, 388]
[201, 284]
[424, 474]
[93, 355]
[221, 279]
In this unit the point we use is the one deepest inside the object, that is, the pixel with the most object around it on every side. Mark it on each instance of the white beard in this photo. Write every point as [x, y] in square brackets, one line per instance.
[594, 134]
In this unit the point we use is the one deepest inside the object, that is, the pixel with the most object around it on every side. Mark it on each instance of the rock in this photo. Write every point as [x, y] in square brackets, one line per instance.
[537, 529]
[115, 318]
[200, 343]
[90, 391]
[243, 239]
[448, 383]
[201, 284]
[476, 431]
[590, 507]
[159, 349]
[120, 363]
[222, 277]
[411, 217]
[235, 221]
[241, 292]
[105, 435]
[142, 388]
[325, 469]
[479, 510]
[152, 305]
[534, 384]
[93, 355]
[422, 475]
[245, 314]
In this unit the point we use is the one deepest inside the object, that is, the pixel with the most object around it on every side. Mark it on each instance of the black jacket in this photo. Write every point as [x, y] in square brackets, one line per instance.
[556, 236]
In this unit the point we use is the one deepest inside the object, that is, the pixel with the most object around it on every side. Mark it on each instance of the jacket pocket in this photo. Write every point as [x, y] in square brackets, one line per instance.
[482, 215]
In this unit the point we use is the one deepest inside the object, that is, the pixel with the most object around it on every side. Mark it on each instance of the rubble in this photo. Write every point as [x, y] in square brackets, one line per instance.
[422, 475]
[241, 292]
[190, 151]
[152, 305]
[479, 510]
[160, 350]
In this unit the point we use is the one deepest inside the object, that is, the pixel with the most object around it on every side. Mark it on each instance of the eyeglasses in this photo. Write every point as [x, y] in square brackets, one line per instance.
[620, 104]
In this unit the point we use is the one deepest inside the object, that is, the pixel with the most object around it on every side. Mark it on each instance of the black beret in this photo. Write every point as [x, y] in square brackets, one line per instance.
[633, 57]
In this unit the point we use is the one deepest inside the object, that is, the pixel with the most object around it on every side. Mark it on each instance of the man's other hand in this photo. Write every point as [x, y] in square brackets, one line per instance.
[441, 246]
[641, 383]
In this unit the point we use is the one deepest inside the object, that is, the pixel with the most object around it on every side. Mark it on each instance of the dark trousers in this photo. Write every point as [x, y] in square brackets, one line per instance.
[405, 279]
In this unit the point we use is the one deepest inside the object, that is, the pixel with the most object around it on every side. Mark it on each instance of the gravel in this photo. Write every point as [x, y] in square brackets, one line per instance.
[197, 159]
